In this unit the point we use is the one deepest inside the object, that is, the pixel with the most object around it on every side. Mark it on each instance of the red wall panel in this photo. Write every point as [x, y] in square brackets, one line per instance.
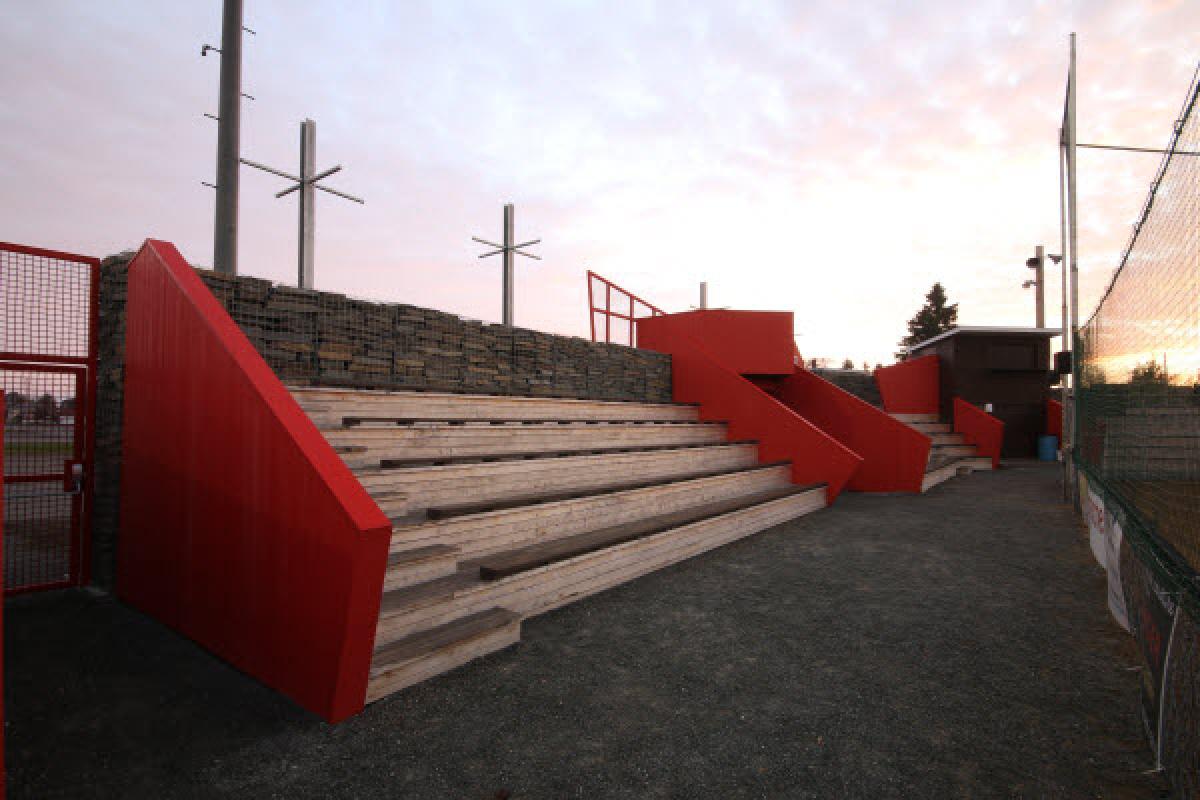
[698, 377]
[745, 342]
[3, 779]
[980, 429]
[1054, 418]
[910, 387]
[240, 526]
[894, 455]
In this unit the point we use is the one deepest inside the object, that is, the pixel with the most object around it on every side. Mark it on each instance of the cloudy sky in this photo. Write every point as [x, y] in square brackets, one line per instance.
[829, 158]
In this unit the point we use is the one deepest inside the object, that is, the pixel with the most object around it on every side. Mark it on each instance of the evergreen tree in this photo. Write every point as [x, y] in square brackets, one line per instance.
[934, 317]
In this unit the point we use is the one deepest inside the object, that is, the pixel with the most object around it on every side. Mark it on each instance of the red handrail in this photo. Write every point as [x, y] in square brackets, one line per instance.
[609, 313]
[910, 387]
[980, 429]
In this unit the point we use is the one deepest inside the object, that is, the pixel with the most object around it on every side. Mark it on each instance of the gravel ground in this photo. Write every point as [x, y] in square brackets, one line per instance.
[951, 645]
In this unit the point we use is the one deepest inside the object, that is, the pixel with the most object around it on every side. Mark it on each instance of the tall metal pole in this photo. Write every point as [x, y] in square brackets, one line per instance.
[1071, 196]
[308, 167]
[703, 294]
[1072, 430]
[1039, 287]
[225, 223]
[509, 241]
[1065, 421]
[1062, 240]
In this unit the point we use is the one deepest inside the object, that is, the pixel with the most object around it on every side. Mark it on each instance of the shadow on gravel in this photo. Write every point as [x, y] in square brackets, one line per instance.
[955, 644]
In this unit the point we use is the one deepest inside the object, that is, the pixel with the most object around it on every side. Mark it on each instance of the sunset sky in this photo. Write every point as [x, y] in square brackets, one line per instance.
[829, 158]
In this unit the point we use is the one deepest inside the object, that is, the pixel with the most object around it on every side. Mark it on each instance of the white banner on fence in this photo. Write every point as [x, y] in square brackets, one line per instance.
[1116, 594]
[1093, 513]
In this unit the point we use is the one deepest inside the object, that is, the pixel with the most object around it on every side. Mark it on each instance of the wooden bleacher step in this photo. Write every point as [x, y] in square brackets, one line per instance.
[502, 565]
[361, 421]
[574, 576]
[462, 509]
[420, 564]
[439, 461]
[507, 529]
[430, 652]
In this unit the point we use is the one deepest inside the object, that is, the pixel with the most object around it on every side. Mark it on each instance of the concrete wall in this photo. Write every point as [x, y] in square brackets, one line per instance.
[322, 338]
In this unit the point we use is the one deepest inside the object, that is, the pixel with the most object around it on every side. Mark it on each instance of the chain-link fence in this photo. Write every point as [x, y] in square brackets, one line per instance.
[1138, 402]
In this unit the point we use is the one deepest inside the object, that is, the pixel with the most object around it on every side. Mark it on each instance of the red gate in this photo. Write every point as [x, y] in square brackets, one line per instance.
[48, 320]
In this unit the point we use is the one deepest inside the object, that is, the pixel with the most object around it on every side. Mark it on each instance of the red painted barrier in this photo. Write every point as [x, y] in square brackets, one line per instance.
[3, 774]
[894, 455]
[980, 429]
[697, 377]
[1054, 418]
[240, 526]
[910, 387]
[745, 342]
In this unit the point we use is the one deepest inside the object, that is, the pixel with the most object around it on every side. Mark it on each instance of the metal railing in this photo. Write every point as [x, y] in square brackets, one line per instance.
[624, 299]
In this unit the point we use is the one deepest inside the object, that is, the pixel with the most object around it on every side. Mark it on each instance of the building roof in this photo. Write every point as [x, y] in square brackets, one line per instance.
[989, 330]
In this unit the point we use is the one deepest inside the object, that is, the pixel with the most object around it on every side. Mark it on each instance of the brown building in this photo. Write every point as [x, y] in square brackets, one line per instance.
[1006, 368]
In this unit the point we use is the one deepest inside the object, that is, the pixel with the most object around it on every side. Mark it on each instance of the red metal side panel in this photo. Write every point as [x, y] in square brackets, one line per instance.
[894, 455]
[1054, 418]
[980, 429]
[697, 377]
[745, 342]
[910, 387]
[240, 526]
[3, 774]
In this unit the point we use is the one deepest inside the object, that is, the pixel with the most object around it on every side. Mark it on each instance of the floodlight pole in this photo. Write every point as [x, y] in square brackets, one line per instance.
[306, 244]
[1073, 225]
[1062, 244]
[509, 248]
[225, 223]
[306, 185]
[1039, 287]
[509, 276]
[1070, 407]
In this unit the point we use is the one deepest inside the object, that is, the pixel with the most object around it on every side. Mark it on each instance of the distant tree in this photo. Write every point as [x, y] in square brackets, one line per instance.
[934, 317]
[812, 363]
[866, 366]
[45, 409]
[1149, 373]
[1091, 375]
[847, 364]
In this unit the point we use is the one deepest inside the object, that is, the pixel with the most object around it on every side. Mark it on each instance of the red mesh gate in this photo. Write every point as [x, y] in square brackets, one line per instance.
[48, 319]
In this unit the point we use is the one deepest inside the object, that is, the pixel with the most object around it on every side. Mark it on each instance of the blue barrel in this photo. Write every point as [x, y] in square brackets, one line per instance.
[1047, 448]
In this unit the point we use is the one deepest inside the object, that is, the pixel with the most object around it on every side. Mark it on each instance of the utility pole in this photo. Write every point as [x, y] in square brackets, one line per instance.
[306, 183]
[225, 223]
[507, 250]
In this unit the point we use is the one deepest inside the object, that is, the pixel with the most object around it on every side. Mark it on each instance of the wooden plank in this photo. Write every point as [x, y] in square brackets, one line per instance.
[408, 463]
[391, 679]
[463, 509]
[501, 565]
[508, 528]
[359, 420]
[415, 555]
[547, 587]
[441, 636]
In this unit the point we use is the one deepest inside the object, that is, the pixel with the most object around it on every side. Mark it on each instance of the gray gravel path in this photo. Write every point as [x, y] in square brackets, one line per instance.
[949, 645]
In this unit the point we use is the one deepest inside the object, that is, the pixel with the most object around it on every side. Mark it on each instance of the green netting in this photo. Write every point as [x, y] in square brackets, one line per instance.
[1138, 370]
